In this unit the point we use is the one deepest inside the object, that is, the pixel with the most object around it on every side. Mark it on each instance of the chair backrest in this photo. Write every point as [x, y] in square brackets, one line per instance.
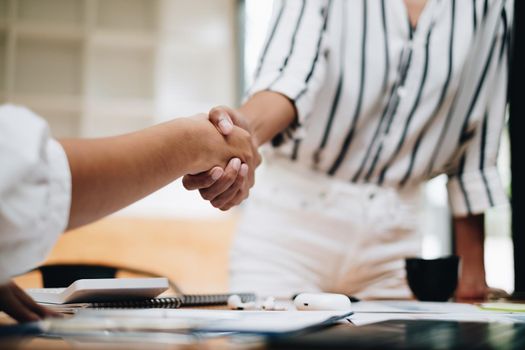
[62, 275]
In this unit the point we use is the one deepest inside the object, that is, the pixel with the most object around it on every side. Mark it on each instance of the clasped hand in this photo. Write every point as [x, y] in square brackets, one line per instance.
[228, 187]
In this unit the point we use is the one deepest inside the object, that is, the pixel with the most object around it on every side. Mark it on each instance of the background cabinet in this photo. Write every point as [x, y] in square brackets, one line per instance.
[100, 67]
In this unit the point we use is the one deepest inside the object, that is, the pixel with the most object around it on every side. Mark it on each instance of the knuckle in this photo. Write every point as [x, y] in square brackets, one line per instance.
[219, 108]
[244, 195]
[230, 177]
[216, 204]
[206, 195]
[208, 181]
[215, 110]
[246, 135]
[239, 181]
[187, 181]
[236, 188]
[258, 159]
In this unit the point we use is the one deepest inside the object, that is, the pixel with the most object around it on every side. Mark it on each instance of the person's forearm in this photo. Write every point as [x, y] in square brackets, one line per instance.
[267, 114]
[111, 173]
[469, 243]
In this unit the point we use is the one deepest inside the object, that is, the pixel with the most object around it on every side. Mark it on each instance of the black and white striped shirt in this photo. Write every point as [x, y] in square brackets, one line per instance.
[381, 102]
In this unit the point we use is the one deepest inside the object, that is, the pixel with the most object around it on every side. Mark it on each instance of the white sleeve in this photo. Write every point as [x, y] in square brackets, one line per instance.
[35, 191]
[293, 58]
[474, 184]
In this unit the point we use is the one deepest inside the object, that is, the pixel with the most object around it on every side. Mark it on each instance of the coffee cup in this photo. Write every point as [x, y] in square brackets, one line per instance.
[432, 279]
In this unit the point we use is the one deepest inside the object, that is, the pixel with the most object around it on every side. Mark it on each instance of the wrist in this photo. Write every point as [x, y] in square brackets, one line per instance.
[205, 146]
[198, 136]
[472, 271]
[252, 124]
[180, 145]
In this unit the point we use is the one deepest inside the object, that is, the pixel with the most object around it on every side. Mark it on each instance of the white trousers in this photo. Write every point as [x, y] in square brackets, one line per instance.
[303, 231]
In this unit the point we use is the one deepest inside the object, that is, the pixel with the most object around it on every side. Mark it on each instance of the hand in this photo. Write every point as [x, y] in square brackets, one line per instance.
[472, 287]
[212, 149]
[229, 187]
[469, 236]
[17, 304]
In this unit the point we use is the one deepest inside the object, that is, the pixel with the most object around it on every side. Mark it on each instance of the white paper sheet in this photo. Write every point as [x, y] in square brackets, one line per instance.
[408, 306]
[195, 320]
[361, 319]
[367, 312]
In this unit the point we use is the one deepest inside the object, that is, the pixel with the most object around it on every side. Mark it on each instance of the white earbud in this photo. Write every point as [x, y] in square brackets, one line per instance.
[235, 303]
[269, 304]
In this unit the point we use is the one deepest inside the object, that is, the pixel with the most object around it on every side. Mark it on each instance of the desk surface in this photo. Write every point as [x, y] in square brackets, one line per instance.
[400, 334]
[394, 334]
[37, 342]
[42, 343]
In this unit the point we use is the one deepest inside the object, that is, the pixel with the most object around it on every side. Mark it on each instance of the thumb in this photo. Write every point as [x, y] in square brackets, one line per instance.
[221, 119]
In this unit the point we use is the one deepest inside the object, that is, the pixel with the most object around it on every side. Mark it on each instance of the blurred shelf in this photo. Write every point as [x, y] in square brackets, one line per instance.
[65, 12]
[48, 31]
[49, 103]
[4, 9]
[101, 67]
[121, 74]
[3, 60]
[99, 126]
[127, 15]
[47, 68]
[119, 39]
[120, 108]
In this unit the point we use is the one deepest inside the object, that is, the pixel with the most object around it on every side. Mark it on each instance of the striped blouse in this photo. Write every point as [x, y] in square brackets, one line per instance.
[381, 102]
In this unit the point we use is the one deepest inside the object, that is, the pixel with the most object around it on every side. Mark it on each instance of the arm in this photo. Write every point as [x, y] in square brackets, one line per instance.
[44, 189]
[469, 236]
[474, 184]
[110, 173]
[267, 114]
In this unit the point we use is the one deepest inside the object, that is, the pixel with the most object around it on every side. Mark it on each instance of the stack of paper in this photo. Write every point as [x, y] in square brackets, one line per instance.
[193, 321]
[378, 311]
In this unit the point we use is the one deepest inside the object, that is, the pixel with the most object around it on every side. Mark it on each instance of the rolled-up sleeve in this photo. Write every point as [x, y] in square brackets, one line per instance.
[35, 191]
[293, 58]
[475, 183]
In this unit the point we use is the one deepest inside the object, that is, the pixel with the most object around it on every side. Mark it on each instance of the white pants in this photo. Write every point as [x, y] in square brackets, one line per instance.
[303, 231]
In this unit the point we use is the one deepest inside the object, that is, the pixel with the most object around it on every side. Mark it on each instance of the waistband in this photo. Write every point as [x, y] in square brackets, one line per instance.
[281, 174]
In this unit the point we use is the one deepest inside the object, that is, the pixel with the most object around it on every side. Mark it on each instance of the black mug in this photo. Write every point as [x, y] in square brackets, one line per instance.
[432, 279]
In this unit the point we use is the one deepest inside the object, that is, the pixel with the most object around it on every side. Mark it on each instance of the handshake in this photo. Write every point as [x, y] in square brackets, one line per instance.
[226, 158]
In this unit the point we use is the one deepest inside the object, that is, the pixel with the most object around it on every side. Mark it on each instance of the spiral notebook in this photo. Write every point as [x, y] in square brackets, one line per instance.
[123, 293]
[175, 302]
